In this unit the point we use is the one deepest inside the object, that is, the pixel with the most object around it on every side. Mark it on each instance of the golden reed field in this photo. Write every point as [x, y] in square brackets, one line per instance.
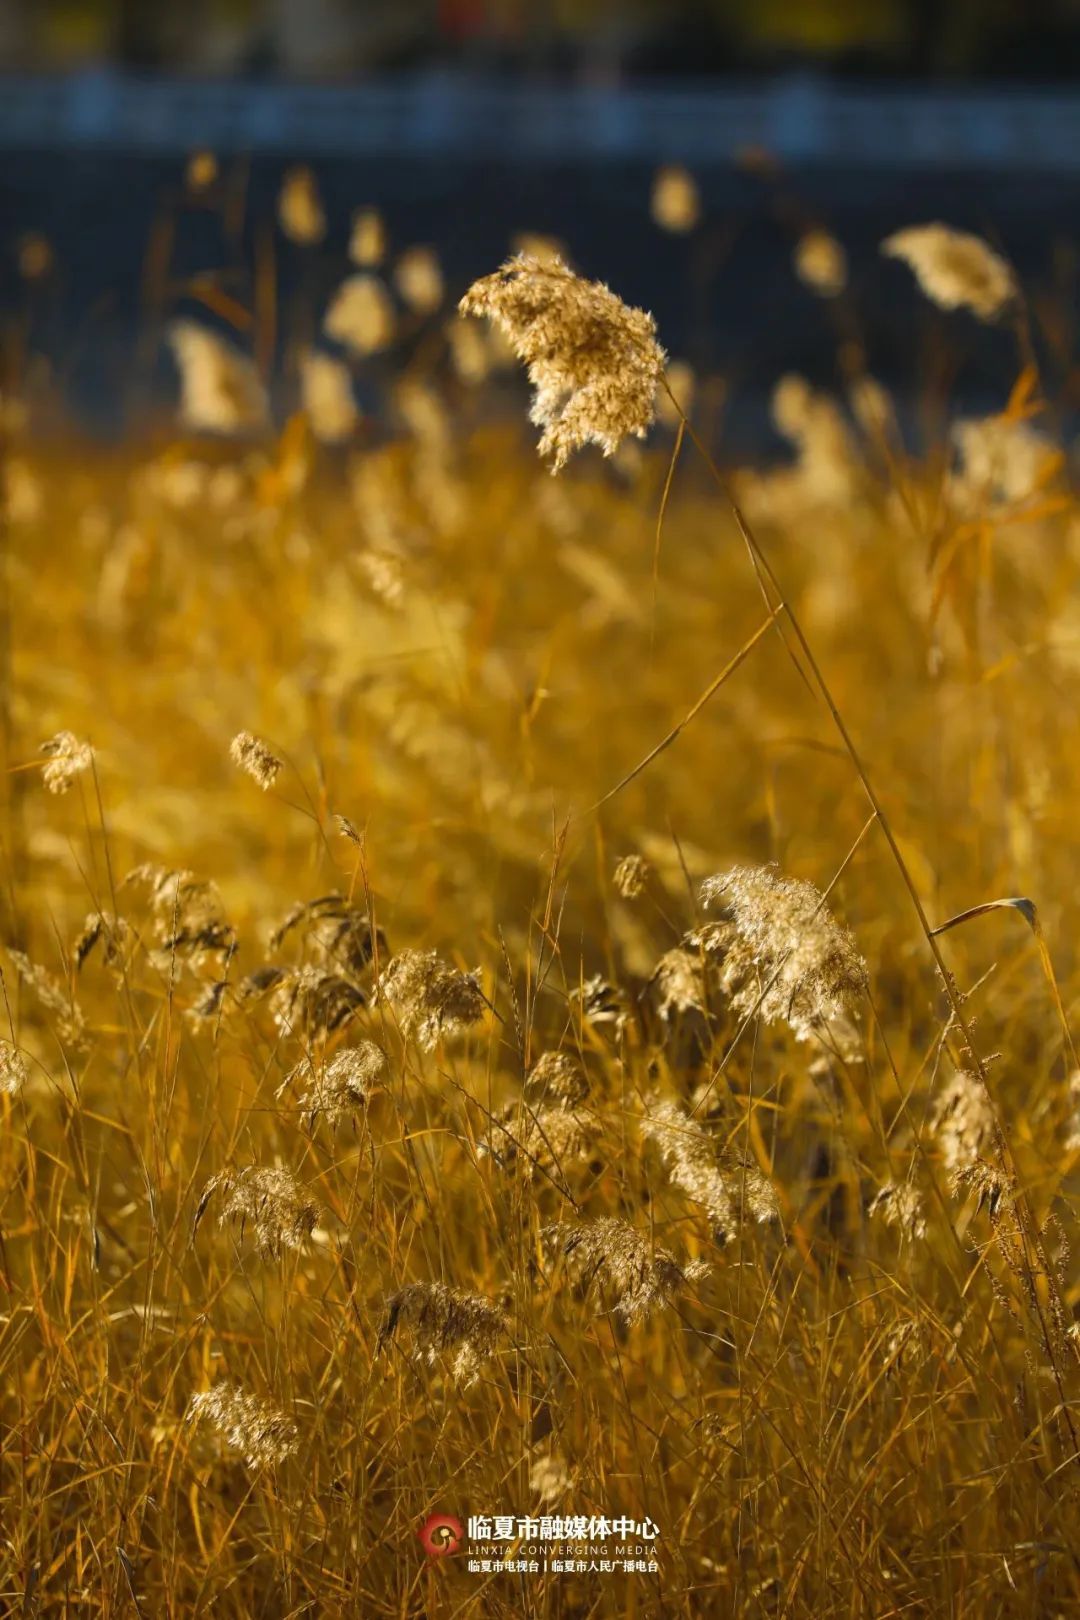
[530, 995]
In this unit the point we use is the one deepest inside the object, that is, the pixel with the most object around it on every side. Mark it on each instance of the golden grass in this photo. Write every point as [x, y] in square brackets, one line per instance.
[456, 1282]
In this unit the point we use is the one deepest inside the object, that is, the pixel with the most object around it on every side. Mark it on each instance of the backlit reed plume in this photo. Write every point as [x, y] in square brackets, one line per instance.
[821, 263]
[252, 755]
[336, 933]
[13, 1071]
[600, 1002]
[22, 496]
[437, 1319]
[311, 1003]
[68, 1019]
[262, 1434]
[609, 1255]
[418, 279]
[361, 315]
[367, 238]
[271, 1204]
[220, 389]
[549, 1477]
[677, 984]
[677, 399]
[787, 956]
[962, 1120]
[826, 463]
[384, 572]
[546, 249]
[201, 171]
[338, 1089]
[67, 759]
[899, 1204]
[300, 209]
[470, 353]
[676, 203]
[593, 361]
[541, 1139]
[1001, 463]
[632, 877]
[425, 414]
[955, 269]
[189, 915]
[726, 1183]
[430, 1000]
[326, 393]
[103, 929]
[557, 1076]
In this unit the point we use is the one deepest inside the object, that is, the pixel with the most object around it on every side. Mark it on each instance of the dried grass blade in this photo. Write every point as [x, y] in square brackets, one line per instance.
[713, 687]
[1029, 912]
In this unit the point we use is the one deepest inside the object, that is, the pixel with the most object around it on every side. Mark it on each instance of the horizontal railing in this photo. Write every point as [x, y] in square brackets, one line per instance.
[800, 120]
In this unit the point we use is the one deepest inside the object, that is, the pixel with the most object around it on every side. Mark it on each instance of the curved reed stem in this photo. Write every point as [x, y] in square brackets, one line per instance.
[1035, 1257]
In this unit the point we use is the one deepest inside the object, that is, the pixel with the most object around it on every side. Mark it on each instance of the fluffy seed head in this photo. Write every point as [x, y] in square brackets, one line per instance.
[13, 1071]
[68, 1019]
[593, 361]
[727, 1184]
[541, 1140]
[549, 1477]
[556, 1076]
[438, 1318]
[101, 928]
[272, 1203]
[68, 758]
[300, 209]
[955, 269]
[963, 1121]
[326, 393]
[418, 278]
[252, 755]
[632, 876]
[202, 171]
[610, 1251]
[677, 400]
[533, 245]
[470, 353]
[676, 203]
[1001, 463]
[220, 389]
[821, 263]
[258, 1430]
[678, 983]
[899, 1204]
[385, 574]
[337, 934]
[367, 243]
[788, 955]
[826, 464]
[345, 1084]
[431, 1001]
[310, 1003]
[361, 315]
[601, 1002]
[189, 916]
